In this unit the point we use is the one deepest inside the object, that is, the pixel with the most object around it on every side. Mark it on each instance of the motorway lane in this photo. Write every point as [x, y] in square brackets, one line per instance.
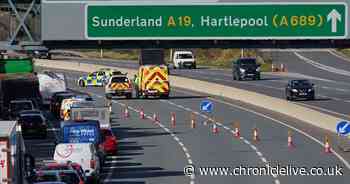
[203, 145]
[333, 94]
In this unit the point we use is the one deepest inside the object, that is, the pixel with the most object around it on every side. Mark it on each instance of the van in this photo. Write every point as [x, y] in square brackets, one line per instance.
[85, 154]
[67, 105]
[184, 59]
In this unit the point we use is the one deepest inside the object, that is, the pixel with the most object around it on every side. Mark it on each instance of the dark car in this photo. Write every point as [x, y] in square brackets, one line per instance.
[40, 53]
[56, 101]
[300, 89]
[33, 125]
[244, 68]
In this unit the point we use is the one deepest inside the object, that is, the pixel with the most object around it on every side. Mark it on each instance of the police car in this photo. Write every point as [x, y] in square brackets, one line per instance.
[93, 79]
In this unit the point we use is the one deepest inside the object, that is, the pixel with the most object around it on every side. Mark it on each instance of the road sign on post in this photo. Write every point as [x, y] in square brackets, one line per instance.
[217, 21]
[207, 106]
[343, 128]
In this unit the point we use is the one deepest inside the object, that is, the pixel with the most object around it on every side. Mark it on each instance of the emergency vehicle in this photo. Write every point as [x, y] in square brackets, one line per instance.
[153, 75]
[93, 79]
[118, 85]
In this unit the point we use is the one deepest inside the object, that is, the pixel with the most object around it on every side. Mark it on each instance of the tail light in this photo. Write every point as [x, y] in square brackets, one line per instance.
[92, 164]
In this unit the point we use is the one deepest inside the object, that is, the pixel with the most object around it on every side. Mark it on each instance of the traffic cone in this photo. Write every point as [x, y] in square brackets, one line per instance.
[155, 118]
[142, 114]
[126, 112]
[173, 120]
[255, 135]
[327, 146]
[237, 132]
[290, 140]
[282, 68]
[193, 121]
[215, 128]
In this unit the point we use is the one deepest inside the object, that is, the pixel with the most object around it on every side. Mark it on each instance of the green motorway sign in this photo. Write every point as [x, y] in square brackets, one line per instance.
[217, 21]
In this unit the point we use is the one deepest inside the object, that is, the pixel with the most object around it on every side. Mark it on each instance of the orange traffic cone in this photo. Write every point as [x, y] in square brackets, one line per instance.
[155, 118]
[290, 140]
[126, 112]
[142, 114]
[215, 128]
[327, 146]
[173, 120]
[255, 135]
[283, 68]
[193, 121]
[236, 133]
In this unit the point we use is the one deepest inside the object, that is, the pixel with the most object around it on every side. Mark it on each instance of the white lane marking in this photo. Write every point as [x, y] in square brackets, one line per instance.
[336, 54]
[345, 162]
[322, 66]
[264, 159]
[323, 109]
[184, 148]
[111, 157]
[259, 154]
[111, 161]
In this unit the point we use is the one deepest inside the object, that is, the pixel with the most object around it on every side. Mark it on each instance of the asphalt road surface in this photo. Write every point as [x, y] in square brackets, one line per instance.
[328, 72]
[157, 152]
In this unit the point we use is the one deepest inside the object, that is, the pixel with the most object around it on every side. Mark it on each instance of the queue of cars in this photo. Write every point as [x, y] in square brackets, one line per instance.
[85, 138]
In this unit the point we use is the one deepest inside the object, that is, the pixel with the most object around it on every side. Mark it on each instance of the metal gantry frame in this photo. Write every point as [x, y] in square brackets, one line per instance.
[22, 13]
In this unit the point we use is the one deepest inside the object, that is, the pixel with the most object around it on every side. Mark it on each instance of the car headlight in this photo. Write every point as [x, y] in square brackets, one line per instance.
[242, 70]
[36, 52]
[258, 69]
[295, 90]
[309, 90]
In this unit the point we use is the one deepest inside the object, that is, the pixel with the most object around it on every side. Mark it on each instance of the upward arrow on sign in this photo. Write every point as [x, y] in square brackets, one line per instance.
[334, 17]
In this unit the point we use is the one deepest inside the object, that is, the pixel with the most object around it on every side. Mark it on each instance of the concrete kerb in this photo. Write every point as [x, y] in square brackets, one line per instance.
[310, 116]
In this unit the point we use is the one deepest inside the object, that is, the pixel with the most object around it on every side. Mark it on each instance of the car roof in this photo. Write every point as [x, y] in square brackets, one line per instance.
[34, 111]
[50, 182]
[20, 101]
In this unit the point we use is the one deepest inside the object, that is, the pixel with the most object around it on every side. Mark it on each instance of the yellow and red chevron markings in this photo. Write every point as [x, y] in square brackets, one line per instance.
[156, 78]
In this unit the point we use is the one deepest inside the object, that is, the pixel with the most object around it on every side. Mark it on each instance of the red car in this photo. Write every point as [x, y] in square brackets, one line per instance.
[109, 141]
[65, 166]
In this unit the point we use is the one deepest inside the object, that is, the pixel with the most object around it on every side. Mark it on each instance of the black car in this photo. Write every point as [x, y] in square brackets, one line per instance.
[33, 125]
[300, 89]
[244, 68]
[56, 101]
[40, 53]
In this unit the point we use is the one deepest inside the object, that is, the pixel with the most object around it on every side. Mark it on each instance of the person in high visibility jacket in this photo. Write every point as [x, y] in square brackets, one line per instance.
[136, 84]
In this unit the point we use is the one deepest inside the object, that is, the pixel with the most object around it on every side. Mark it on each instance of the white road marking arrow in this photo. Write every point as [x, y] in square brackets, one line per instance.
[343, 129]
[334, 16]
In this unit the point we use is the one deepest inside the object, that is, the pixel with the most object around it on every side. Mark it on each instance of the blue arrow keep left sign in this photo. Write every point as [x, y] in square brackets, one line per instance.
[343, 128]
[206, 106]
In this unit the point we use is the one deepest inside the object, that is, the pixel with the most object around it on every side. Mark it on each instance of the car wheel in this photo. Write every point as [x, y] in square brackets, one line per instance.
[234, 77]
[194, 66]
[81, 83]
[128, 96]
[239, 78]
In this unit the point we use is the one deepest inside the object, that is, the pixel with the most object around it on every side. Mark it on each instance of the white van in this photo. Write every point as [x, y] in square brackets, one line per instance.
[84, 154]
[184, 59]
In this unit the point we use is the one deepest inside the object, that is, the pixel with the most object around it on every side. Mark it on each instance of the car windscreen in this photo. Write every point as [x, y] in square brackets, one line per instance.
[185, 56]
[301, 83]
[248, 62]
[21, 106]
[30, 119]
[80, 134]
[119, 79]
